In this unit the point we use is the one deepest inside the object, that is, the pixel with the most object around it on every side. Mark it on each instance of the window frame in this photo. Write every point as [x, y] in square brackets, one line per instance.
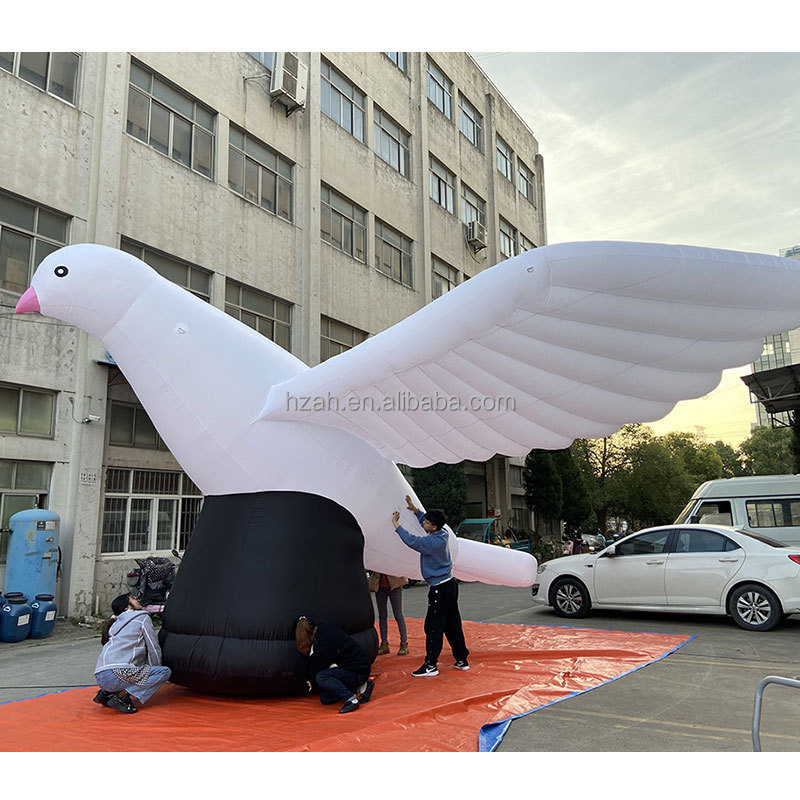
[138, 411]
[356, 100]
[404, 251]
[197, 128]
[667, 548]
[441, 185]
[275, 321]
[511, 235]
[447, 273]
[40, 496]
[348, 216]
[279, 178]
[147, 254]
[399, 139]
[466, 203]
[187, 492]
[396, 58]
[526, 176]
[442, 88]
[15, 71]
[474, 119]
[504, 154]
[327, 339]
[49, 244]
[22, 391]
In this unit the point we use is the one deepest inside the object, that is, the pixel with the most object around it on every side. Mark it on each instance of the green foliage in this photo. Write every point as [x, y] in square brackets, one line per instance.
[442, 486]
[795, 416]
[768, 451]
[700, 460]
[576, 506]
[731, 461]
[543, 489]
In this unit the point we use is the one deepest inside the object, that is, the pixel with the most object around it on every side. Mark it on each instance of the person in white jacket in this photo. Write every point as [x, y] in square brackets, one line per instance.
[130, 662]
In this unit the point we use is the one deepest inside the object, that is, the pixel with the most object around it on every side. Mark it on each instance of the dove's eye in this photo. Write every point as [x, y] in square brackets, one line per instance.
[61, 271]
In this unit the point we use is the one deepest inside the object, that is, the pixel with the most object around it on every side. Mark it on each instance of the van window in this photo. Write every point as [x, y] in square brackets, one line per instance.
[773, 513]
[715, 512]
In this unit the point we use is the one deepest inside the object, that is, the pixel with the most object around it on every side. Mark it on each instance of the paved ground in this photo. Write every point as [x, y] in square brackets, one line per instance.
[697, 699]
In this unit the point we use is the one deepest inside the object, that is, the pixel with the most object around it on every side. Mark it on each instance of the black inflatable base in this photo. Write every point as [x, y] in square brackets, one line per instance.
[256, 562]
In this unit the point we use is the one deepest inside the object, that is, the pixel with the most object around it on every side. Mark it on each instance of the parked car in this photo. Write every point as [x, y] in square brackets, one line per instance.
[487, 530]
[699, 569]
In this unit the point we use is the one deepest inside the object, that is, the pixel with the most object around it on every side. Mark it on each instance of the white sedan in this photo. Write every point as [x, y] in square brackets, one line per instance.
[698, 569]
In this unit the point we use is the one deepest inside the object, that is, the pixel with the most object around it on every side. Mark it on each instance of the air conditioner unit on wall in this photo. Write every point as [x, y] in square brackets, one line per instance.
[477, 235]
[289, 81]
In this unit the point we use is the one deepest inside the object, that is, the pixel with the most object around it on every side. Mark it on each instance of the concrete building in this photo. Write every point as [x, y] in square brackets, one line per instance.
[318, 215]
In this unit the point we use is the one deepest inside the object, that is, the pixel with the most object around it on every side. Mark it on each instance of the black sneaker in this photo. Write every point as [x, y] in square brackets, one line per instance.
[367, 693]
[349, 705]
[461, 664]
[115, 701]
[425, 671]
[101, 697]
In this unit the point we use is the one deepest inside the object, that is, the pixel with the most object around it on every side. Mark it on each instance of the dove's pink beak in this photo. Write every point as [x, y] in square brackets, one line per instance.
[28, 302]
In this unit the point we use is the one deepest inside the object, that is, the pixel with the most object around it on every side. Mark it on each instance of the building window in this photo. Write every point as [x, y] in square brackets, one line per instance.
[508, 239]
[343, 102]
[54, 73]
[259, 174]
[28, 233]
[23, 485]
[470, 122]
[445, 277]
[440, 90]
[343, 224]
[336, 337]
[776, 353]
[391, 142]
[170, 121]
[148, 510]
[131, 427]
[505, 159]
[190, 277]
[393, 253]
[472, 207]
[400, 60]
[270, 316]
[525, 182]
[442, 185]
[525, 243]
[266, 59]
[520, 513]
[27, 412]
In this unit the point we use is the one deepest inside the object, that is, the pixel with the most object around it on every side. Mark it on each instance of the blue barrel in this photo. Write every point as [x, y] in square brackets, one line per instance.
[43, 618]
[32, 557]
[15, 619]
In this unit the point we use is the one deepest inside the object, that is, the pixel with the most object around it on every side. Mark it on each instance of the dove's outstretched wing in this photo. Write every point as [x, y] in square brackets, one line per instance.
[565, 341]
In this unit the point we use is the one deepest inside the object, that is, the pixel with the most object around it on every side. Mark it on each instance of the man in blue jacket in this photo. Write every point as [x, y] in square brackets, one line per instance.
[443, 618]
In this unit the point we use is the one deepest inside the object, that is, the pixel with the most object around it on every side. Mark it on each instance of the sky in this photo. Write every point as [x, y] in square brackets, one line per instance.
[681, 148]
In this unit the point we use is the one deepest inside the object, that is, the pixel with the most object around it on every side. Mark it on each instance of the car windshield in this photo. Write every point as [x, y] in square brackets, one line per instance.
[472, 530]
[759, 537]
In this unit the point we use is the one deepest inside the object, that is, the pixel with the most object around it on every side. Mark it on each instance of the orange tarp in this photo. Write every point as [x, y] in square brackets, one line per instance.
[514, 670]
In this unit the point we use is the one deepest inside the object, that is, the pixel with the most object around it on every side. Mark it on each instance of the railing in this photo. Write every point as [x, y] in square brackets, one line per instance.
[757, 708]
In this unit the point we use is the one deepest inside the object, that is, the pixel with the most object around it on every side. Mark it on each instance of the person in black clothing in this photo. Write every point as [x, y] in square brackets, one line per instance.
[337, 665]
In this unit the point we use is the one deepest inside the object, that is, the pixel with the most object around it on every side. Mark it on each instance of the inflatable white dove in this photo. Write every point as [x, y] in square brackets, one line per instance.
[582, 337]
[298, 464]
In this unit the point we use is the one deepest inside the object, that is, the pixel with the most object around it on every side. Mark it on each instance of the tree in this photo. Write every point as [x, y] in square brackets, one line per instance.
[543, 489]
[442, 486]
[731, 463]
[576, 505]
[768, 451]
[700, 460]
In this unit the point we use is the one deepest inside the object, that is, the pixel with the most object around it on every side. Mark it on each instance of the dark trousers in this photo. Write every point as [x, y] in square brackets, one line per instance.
[443, 619]
[337, 684]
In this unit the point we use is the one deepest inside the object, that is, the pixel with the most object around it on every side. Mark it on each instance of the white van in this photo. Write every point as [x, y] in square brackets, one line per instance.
[766, 504]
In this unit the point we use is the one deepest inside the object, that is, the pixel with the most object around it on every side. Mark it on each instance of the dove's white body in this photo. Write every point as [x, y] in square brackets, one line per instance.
[586, 336]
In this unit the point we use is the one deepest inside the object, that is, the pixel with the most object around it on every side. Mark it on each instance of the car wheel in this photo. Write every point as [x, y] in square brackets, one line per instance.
[569, 598]
[755, 608]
